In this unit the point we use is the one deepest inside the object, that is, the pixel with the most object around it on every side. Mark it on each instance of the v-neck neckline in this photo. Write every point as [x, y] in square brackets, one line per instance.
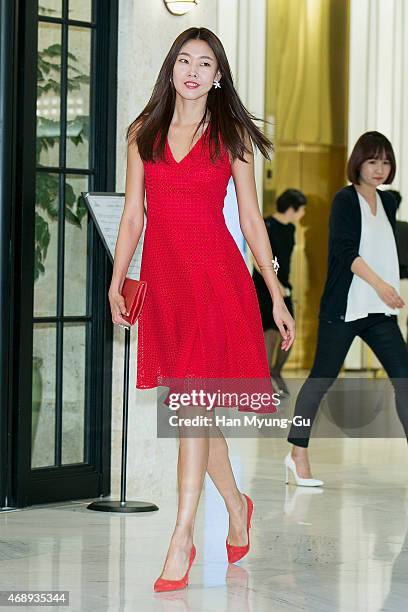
[190, 151]
[377, 201]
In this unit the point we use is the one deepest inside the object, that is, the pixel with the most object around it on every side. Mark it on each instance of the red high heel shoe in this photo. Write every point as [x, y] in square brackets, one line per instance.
[162, 584]
[235, 553]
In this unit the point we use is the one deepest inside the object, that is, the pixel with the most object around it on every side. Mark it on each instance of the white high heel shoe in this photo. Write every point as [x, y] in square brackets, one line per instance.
[301, 482]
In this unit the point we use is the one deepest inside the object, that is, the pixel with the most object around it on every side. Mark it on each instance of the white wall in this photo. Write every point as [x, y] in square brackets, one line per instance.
[378, 95]
[146, 32]
[241, 26]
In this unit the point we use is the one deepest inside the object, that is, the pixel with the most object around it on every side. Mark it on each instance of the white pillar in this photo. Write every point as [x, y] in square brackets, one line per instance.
[378, 93]
[378, 78]
[241, 26]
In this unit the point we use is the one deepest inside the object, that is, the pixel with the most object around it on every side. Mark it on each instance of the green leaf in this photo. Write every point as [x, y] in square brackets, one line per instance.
[76, 140]
[82, 210]
[73, 68]
[43, 9]
[81, 78]
[70, 197]
[53, 50]
[45, 66]
[48, 136]
[69, 215]
[42, 240]
[52, 85]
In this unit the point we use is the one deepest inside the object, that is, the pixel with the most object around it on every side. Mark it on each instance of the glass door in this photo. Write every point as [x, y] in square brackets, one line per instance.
[64, 452]
[64, 168]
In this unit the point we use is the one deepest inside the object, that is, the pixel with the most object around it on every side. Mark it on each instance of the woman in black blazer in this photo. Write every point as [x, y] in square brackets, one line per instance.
[361, 294]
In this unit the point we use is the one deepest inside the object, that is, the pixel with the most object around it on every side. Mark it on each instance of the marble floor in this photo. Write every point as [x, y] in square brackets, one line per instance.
[343, 547]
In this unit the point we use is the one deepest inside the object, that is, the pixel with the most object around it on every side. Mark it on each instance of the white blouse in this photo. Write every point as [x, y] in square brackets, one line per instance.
[379, 251]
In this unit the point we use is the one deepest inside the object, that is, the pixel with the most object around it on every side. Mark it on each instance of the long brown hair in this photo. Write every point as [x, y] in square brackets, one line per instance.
[229, 117]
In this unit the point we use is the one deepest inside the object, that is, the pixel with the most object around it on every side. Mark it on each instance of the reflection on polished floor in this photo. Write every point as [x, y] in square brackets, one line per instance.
[343, 547]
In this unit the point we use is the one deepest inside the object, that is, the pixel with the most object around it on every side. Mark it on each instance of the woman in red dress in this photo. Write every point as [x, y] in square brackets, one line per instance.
[200, 319]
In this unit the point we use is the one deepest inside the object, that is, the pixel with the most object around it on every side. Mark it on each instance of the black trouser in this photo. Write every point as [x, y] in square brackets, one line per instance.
[383, 336]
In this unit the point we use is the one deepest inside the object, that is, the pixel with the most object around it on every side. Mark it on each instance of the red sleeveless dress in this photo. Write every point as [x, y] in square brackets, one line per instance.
[201, 317]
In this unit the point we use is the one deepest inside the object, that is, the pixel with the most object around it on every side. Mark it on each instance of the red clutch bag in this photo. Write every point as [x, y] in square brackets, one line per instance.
[134, 293]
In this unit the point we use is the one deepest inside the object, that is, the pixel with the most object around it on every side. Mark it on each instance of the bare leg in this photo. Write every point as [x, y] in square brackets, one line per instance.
[196, 456]
[191, 469]
[220, 471]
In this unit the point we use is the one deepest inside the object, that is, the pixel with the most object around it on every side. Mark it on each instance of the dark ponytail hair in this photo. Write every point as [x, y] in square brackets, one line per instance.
[229, 117]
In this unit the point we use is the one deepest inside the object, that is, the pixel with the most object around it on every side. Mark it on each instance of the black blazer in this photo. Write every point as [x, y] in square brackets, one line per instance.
[344, 243]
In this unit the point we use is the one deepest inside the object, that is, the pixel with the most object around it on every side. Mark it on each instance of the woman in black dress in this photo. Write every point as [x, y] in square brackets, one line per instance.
[281, 231]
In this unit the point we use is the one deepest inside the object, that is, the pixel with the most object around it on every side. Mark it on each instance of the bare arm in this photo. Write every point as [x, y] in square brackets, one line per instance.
[385, 291]
[254, 230]
[130, 230]
[281, 287]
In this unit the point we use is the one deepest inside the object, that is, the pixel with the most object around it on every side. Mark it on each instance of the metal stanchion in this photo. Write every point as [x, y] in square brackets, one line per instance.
[123, 505]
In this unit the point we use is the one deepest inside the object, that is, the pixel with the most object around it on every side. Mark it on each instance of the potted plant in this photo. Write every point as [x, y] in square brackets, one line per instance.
[47, 185]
